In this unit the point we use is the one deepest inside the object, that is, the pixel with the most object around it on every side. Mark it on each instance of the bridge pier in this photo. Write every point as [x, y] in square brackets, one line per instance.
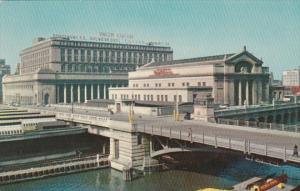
[130, 150]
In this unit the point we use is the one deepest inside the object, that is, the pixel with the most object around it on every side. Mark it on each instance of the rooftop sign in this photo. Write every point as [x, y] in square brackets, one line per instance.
[120, 38]
[163, 72]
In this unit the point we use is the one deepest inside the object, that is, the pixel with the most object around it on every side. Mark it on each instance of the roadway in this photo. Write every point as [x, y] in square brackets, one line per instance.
[267, 136]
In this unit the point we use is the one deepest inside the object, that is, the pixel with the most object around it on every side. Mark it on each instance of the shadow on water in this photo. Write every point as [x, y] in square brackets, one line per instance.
[230, 167]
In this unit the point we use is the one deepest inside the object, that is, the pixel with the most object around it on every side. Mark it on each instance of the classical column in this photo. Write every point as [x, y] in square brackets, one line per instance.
[267, 90]
[104, 91]
[65, 93]
[92, 91]
[98, 91]
[240, 93]
[85, 92]
[231, 93]
[226, 92]
[259, 91]
[254, 92]
[72, 94]
[247, 92]
[78, 93]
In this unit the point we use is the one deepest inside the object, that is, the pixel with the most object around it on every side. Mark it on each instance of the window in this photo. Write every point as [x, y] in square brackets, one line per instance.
[101, 58]
[173, 84]
[88, 55]
[139, 139]
[175, 98]
[82, 55]
[95, 56]
[169, 84]
[199, 83]
[62, 54]
[166, 97]
[162, 97]
[187, 84]
[157, 97]
[76, 55]
[183, 84]
[69, 55]
[204, 83]
[179, 98]
[106, 56]
[118, 57]
[63, 68]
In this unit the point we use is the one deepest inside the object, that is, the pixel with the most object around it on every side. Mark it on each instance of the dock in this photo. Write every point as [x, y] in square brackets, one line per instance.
[79, 165]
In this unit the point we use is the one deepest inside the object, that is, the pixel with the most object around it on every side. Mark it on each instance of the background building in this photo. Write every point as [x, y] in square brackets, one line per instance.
[4, 69]
[231, 79]
[291, 77]
[59, 69]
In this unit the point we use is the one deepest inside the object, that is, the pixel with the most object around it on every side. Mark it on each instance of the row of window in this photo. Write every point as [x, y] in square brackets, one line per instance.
[11, 132]
[110, 56]
[169, 84]
[33, 68]
[37, 57]
[95, 68]
[148, 97]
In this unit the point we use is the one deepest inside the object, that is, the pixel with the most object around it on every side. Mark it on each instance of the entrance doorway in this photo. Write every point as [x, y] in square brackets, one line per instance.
[46, 99]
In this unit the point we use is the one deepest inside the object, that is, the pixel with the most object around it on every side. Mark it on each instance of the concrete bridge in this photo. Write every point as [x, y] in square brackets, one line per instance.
[285, 113]
[133, 145]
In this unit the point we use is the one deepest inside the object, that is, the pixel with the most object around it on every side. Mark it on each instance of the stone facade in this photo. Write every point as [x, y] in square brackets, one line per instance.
[231, 79]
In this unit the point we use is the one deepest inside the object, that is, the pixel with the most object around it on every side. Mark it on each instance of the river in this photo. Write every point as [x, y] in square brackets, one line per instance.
[210, 174]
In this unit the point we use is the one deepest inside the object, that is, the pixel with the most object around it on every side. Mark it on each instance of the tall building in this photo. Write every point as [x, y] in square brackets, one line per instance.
[62, 70]
[4, 69]
[230, 79]
[291, 77]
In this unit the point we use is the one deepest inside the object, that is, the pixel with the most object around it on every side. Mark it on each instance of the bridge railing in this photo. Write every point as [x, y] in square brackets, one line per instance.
[262, 125]
[255, 108]
[247, 146]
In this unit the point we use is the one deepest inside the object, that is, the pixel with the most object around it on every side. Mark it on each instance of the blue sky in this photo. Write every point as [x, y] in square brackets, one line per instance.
[269, 29]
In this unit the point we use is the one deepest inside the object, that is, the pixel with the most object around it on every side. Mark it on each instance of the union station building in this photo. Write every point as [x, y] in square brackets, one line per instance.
[230, 79]
[64, 70]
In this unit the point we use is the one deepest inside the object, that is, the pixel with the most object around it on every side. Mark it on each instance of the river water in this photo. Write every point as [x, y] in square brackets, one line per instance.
[210, 174]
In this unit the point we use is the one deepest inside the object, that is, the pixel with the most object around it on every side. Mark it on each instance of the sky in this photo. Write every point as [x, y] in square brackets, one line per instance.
[270, 28]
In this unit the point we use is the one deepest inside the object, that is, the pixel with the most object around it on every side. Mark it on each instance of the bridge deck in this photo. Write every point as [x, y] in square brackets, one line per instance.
[266, 142]
[251, 141]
